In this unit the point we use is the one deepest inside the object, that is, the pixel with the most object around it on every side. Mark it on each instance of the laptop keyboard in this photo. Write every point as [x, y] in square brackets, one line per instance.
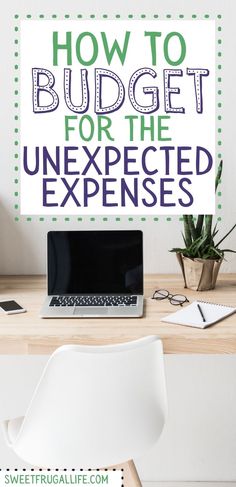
[94, 301]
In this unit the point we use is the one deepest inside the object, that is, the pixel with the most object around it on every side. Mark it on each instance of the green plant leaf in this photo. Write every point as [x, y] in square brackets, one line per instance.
[199, 237]
[228, 250]
[177, 250]
[184, 239]
[208, 225]
[199, 225]
[217, 252]
[191, 226]
[233, 227]
[218, 175]
[215, 231]
[187, 232]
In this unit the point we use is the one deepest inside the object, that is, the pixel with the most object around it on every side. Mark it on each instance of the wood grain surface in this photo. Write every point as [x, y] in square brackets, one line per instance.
[27, 333]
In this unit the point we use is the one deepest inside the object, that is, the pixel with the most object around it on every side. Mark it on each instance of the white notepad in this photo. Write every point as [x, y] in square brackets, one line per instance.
[191, 316]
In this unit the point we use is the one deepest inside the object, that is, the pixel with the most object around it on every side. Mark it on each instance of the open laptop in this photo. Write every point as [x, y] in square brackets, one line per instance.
[94, 274]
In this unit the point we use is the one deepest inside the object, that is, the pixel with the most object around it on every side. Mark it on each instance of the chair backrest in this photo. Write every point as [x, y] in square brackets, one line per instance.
[95, 406]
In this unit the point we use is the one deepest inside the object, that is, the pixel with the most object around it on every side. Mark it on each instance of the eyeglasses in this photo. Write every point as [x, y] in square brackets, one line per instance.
[175, 299]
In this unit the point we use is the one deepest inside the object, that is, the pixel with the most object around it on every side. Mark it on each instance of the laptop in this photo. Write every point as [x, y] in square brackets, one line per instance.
[94, 274]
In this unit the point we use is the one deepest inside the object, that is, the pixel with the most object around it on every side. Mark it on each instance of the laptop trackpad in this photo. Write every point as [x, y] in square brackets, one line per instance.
[82, 311]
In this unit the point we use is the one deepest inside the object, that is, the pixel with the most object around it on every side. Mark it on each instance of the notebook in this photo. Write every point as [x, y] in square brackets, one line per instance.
[192, 315]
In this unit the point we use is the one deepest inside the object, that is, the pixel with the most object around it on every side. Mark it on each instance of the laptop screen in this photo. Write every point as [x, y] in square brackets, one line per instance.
[95, 262]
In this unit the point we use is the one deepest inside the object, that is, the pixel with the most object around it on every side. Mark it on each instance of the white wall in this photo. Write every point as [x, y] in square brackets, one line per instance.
[22, 244]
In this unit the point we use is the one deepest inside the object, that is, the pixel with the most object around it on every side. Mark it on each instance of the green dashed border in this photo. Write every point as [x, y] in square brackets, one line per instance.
[219, 107]
[16, 105]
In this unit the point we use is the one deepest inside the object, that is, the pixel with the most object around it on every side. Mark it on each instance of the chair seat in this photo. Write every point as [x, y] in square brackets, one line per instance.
[93, 405]
[12, 428]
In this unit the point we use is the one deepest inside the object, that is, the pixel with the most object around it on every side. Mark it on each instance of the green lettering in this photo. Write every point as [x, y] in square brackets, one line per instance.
[182, 45]
[162, 127]
[66, 46]
[144, 127]
[90, 123]
[115, 48]
[153, 36]
[95, 49]
[68, 128]
[104, 127]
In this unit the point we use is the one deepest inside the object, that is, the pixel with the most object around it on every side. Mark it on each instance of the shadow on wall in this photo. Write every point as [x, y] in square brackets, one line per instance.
[21, 245]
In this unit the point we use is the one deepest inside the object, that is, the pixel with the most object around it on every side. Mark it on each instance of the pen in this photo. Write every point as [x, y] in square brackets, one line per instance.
[202, 315]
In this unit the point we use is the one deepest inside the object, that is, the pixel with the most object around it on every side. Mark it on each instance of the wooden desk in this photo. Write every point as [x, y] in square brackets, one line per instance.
[28, 334]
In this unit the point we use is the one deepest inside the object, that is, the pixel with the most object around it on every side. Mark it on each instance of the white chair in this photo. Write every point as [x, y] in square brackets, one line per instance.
[94, 406]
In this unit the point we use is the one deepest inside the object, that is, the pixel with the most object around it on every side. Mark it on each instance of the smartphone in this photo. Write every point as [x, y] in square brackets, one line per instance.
[11, 307]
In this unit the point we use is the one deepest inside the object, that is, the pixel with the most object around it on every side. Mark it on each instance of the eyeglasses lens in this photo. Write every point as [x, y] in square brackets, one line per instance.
[161, 294]
[178, 299]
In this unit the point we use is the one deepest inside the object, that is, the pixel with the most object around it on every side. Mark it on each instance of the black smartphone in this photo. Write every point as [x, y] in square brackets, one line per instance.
[11, 307]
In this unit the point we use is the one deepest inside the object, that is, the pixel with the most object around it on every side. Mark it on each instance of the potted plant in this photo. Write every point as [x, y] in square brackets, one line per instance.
[201, 258]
